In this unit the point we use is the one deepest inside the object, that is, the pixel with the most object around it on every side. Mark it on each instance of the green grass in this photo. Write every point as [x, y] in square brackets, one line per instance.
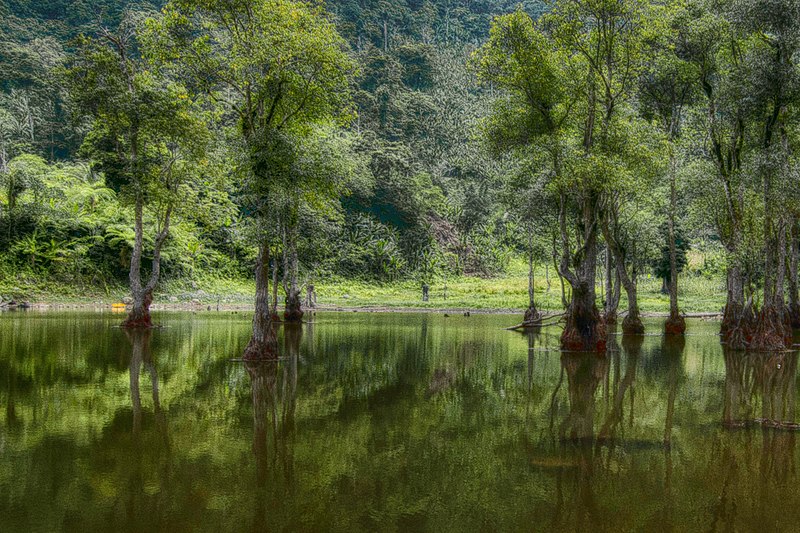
[508, 292]
[696, 294]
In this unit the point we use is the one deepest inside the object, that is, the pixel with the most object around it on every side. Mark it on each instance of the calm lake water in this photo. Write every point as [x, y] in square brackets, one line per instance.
[387, 422]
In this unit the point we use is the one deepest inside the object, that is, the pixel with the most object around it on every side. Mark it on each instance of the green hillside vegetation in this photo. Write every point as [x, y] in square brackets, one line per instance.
[369, 149]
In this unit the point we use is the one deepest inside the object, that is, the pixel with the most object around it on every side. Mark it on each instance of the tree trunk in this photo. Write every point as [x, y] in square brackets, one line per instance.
[675, 324]
[273, 312]
[547, 275]
[584, 329]
[738, 319]
[564, 303]
[139, 315]
[773, 329]
[532, 318]
[633, 323]
[612, 290]
[263, 344]
[293, 308]
[794, 294]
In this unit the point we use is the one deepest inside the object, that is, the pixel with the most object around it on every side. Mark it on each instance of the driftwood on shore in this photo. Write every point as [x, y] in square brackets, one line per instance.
[555, 320]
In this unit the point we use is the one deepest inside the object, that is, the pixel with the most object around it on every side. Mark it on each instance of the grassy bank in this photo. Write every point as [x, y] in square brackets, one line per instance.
[509, 292]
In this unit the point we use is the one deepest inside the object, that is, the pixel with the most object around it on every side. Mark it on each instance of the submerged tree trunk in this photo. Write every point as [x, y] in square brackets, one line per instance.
[533, 318]
[142, 295]
[675, 324]
[584, 330]
[794, 294]
[263, 344]
[632, 324]
[293, 306]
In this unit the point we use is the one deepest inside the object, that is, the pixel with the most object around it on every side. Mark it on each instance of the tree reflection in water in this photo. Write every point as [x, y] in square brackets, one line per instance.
[142, 356]
[274, 393]
[760, 390]
[584, 372]
[586, 453]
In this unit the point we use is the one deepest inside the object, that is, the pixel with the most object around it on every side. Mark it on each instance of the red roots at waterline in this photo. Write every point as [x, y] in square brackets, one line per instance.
[584, 330]
[675, 325]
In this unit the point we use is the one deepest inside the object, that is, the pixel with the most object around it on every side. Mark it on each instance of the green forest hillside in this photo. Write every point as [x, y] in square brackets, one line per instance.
[417, 187]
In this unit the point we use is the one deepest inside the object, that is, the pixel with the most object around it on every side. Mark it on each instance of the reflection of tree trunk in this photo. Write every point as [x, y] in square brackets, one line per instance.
[274, 398]
[769, 380]
[633, 347]
[263, 376]
[531, 351]
[672, 348]
[760, 377]
[142, 356]
[140, 350]
[584, 375]
[672, 351]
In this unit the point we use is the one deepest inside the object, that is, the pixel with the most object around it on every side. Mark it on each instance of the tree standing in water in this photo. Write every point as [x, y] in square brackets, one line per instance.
[667, 89]
[531, 120]
[568, 78]
[147, 137]
[745, 56]
[278, 67]
[605, 38]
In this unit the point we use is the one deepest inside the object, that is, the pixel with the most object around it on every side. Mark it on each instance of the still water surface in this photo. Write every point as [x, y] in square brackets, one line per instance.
[388, 422]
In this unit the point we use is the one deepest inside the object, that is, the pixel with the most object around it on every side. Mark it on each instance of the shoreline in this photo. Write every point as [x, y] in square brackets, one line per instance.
[233, 307]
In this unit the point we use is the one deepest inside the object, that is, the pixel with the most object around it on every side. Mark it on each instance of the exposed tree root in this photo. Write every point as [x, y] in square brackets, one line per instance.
[768, 330]
[139, 316]
[262, 350]
[675, 325]
[772, 331]
[738, 324]
[632, 325]
[294, 309]
[584, 330]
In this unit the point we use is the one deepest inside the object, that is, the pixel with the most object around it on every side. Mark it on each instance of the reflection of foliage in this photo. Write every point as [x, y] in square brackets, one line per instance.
[376, 424]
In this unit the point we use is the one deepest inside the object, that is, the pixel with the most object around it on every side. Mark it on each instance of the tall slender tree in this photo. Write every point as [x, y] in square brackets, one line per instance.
[147, 138]
[277, 67]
